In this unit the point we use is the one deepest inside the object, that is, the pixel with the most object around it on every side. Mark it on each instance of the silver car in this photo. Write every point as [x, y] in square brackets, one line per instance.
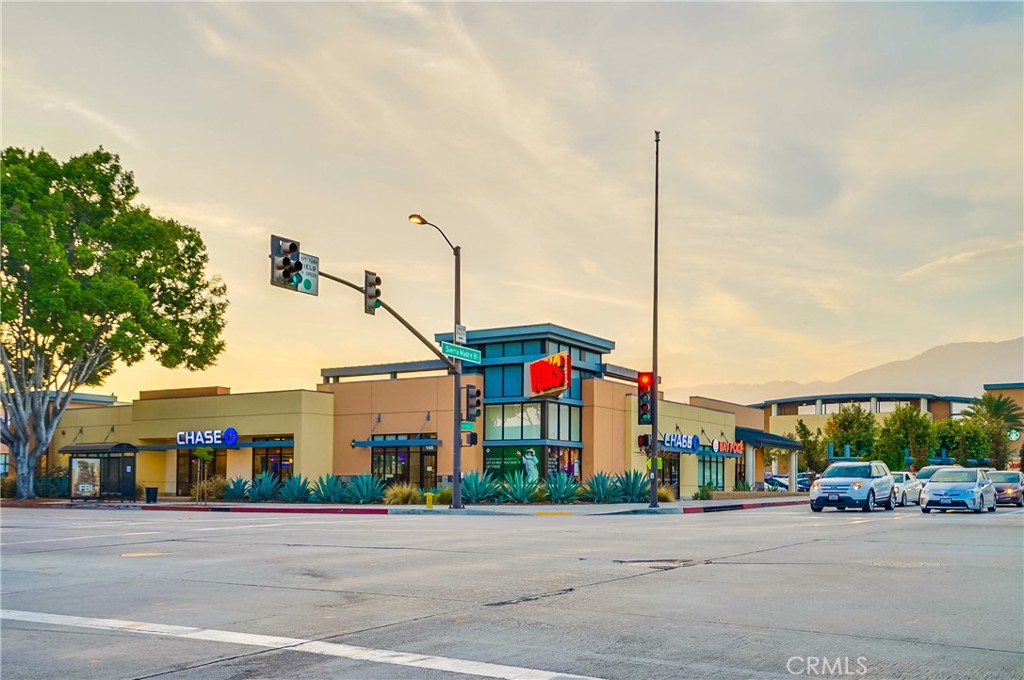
[853, 485]
[907, 488]
[959, 489]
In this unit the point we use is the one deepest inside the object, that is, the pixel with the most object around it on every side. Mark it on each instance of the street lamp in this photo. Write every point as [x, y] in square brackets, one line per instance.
[457, 371]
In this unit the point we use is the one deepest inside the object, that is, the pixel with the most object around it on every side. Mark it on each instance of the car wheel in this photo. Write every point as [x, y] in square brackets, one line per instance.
[869, 504]
[981, 506]
[926, 510]
[993, 507]
[903, 499]
[890, 502]
[1020, 503]
[841, 509]
[816, 509]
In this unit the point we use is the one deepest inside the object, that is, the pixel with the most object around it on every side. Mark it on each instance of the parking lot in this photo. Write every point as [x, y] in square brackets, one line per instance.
[763, 593]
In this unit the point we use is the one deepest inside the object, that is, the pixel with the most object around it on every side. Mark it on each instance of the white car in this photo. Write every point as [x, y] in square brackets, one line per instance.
[854, 485]
[959, 489]
[907, 488]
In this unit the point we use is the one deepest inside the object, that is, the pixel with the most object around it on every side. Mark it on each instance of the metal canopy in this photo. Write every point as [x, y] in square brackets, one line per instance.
[101, 447]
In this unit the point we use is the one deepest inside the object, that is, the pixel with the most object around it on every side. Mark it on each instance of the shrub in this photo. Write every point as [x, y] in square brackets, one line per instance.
[214, 487]
[518, 488]
[403, 494]
[53, 486]
[264, 487]
[444, 496]
[665, 495]
[741, 485]
[140, 492]
[366, 489]
[562, 488]
[237, 489]
[634, 486]
[704, 493]
[329, 489]
[601, 488]
[479, 488]
[541, 494]
[9, 487]
[295, 489]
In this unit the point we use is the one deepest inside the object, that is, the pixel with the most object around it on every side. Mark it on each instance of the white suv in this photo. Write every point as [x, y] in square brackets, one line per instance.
[854, 485]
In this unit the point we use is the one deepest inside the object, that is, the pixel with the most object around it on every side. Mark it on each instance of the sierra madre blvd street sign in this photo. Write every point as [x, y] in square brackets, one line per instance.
[459, 352]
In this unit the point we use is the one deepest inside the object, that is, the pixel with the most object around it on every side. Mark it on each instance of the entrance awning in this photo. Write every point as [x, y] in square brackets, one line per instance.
[101, 447]
[762, 439]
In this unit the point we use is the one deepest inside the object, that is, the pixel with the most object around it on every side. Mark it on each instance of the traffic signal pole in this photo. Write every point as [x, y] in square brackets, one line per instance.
[654, 364]
[457, 375]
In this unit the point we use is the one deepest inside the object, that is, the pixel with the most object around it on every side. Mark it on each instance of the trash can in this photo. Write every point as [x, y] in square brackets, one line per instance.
[430, 500]
[151, 494]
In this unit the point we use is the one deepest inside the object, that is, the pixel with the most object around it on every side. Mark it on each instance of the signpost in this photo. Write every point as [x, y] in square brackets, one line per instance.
[469, 354]
[310, 284]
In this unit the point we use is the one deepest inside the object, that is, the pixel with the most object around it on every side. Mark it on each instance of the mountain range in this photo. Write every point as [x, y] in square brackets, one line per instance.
[956, 370]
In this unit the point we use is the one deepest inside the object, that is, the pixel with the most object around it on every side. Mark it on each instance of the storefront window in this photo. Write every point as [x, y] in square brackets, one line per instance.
[531, 421]
[711, 471]
[494, 422]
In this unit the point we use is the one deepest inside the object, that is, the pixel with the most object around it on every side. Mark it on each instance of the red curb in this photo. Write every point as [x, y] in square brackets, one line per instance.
[691, 510]
[306, 510]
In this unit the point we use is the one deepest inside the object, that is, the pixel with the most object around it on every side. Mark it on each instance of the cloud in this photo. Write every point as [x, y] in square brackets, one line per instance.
[988, 255]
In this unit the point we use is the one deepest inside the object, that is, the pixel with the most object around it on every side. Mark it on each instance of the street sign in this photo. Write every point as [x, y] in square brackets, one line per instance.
[460, 334]
[469, 354]
[310, 284]
[467, 427]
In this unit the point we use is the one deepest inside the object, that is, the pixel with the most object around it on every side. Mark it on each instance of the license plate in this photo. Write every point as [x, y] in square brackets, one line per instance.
[945, 501]
[833, 496]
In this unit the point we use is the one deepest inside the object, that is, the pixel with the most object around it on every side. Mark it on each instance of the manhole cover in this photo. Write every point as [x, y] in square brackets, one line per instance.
[895, 564]
[660, 564]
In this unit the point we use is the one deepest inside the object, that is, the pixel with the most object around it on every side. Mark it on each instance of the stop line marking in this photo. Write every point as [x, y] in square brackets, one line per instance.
[273, 642]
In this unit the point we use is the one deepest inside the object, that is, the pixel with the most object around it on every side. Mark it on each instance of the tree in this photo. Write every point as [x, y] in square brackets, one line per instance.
[854, 426]
[813, 452]
[998, 414]
[963, 439]
[89, 279]
[905, 428]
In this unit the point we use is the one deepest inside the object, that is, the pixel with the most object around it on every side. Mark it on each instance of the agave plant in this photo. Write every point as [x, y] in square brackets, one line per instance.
[264, 487]
[329, 489]
[518, 488]
[295, 489]
[366, 489]
[479, 488]
[601, 488]
[562, 488]
[634, 486]
[237, 489]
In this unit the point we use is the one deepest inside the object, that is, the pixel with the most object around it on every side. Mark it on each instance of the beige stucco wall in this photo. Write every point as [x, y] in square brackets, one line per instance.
[606, 439]
[303, 415]
[403, 406]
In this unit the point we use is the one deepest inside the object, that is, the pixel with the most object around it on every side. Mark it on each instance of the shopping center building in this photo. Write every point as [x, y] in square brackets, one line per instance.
[548, 395]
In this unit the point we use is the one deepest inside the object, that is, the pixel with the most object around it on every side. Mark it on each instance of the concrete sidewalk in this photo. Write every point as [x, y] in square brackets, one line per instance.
[676, 508]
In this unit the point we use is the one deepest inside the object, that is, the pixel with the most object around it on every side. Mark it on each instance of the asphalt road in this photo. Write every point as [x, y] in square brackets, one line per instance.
[773, 593]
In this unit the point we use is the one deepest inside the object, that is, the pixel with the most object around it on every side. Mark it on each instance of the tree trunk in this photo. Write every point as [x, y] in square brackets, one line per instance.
[24, 466]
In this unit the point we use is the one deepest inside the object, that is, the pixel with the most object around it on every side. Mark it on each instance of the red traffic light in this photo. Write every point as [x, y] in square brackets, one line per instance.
[644, 379]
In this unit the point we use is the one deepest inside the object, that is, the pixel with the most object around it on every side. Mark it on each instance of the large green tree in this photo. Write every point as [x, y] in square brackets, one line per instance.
[90, 278]
[998, 414]
[854, 426]
[964, 439]
[905, 428]
[813, 452]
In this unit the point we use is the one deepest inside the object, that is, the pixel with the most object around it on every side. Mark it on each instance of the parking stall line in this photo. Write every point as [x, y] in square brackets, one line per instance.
[272, 642]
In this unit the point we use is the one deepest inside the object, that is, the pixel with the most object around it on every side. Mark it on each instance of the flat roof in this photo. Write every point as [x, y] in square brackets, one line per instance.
[540, 331]
[860, 396]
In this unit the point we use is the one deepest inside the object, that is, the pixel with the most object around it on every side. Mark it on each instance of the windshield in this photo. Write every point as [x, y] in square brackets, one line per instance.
[955, 476]
[848, 471]
[897, 477]
[927, 473]
[1004, 477]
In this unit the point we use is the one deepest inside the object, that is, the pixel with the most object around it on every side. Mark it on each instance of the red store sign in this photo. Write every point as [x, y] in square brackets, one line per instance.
[549, 375]
[726, 447]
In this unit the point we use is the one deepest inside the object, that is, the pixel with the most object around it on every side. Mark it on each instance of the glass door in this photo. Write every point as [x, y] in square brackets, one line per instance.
[428, 470]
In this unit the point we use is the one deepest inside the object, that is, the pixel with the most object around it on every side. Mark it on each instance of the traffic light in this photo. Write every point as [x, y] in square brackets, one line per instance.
[472, 439]
[472, 410]
[643, 441]
[285, 267]
[644, 389]
[371, 292]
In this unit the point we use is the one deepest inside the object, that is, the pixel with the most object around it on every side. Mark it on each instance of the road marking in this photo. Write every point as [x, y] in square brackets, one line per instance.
[440, 663]
[82, 538]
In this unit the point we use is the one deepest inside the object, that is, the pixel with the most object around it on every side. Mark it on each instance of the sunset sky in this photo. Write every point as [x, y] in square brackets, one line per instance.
[840, 184]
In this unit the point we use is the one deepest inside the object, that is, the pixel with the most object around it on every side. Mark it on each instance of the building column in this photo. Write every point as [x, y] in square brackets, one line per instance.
[750, 460]
[874, 405]
[817, 407]
[792, 470]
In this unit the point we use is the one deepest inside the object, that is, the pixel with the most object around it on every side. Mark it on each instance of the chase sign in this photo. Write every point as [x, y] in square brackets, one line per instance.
[228, 437]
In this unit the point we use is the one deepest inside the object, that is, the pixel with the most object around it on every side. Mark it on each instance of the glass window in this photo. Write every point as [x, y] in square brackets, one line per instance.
[513, 421]
[531, 421]
[576, 385]
[494, 350]
[563, 422]
[575, 413]
[575, 352]
[551, 426]
[493, 421]
[513, 349]
[493, 381]
[532, 347]
[513, 376]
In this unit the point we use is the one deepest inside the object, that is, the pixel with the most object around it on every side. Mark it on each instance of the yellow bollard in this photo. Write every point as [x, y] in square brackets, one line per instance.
[430, 500]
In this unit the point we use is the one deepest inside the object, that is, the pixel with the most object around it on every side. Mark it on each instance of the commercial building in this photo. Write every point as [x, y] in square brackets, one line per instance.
[550, 403]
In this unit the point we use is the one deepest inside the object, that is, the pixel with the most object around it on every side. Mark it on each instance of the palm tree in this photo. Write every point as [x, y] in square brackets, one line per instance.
[999, 413]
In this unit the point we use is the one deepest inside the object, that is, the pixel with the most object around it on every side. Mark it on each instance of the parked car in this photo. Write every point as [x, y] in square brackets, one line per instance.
[854, 485]
[925, 473]
[776, 484]
[907, 488]
[1008, 485]
[959, 489]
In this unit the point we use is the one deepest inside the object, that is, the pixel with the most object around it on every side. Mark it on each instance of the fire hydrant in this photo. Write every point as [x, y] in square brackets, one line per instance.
[430, 500]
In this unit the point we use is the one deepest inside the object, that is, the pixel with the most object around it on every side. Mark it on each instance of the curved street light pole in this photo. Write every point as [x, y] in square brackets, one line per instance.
[457, 371]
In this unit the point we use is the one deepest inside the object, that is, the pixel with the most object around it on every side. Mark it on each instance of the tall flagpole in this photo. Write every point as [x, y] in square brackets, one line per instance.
[654, 364]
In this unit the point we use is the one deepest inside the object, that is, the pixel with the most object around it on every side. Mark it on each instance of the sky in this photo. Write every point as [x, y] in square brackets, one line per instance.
[839, 185]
